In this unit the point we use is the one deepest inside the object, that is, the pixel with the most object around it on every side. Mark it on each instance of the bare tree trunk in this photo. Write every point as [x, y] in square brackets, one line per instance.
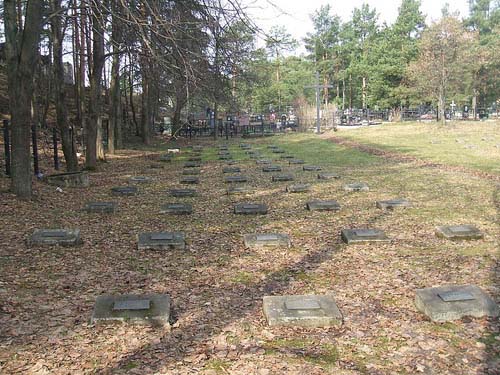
[59, 89]
[441, 105]
[115, 96]
[21, 50]
[363, 93]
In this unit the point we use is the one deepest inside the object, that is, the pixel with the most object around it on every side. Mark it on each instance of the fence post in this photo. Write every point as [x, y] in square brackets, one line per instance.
[6, 141]
[34, 144]
[56, 155]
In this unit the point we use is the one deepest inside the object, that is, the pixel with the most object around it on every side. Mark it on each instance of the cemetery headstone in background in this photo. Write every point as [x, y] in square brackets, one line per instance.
[63, 237]
[101, 207]
[266, 240]
[250, 209]
[176, 209]
[357, 186]
[161, 241]
[393, 204]
[459, 232]
[355, 236]
[124, 190]
[321, 205]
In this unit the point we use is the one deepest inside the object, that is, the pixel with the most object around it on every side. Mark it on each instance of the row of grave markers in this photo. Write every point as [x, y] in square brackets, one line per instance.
[440, 304]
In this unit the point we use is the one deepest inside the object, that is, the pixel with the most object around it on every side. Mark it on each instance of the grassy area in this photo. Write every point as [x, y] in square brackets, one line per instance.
[470, 144]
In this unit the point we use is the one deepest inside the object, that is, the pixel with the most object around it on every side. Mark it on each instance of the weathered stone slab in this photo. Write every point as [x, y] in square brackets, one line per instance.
[198, 148]
[166, 158]
[100, 207]
[328, 176]
[357, 186]
[183, 192]
[139, 309]
[278, 151]
[250, 209]
[63, 237]
[453, 302]
[225, 157]
[296, 161]
[245, 145]
[255, 156]
[302, 311]
[190, 180]
[263, 161]
[267, 240]
[311, 168]
[282, 177]
[195, 158]
[176, 209]
[191, 171]
[459, 232]
[321, 205]
[298, 188]
[251, 152]
[393, 204]
[223, 147]
[231, 170]
[235, 179]
[223, 152]
[230, 162]
[192, 164]
[271, 147]
[272, 168]
[140, 179]
[289, 157]
[354, 236]
[161, 241]
[69, 179]
[124, 190]
[237, 190]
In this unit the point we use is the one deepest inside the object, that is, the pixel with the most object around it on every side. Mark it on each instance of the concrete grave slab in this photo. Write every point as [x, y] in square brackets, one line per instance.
[250, 209]
[245, 145]
[235, 179]
[230, 162]
[298, 188]
[282, 177]
[263, 161]
[311, 168]
[69, 179]
[49, 237]
[190, 180]
[267, 240]
[130, 308]
[355, 236]
[277, 151]
[323, 205]
[101, 207]
[140, 179]
[453, 302]
[223, 152]
[296, 161]
[192, 164]
[183, 193]
[459, 232]
[166, 158]
[161, 241]
[328, 176]
[191, 171]
[198, 148]
[124, 190]
[251, 152]
[356, 186]
[195, 158]
[289, 157]
[302, 311]
[238, 190]
[271, 147]
[231, 170]
[176, 209]
[393, 204]
[272, 168]
[225, 157]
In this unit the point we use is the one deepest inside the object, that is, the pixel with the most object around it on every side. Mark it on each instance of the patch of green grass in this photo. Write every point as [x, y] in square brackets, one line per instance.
[218, 365]
[243, 277]
[130, 365]
[318, 354]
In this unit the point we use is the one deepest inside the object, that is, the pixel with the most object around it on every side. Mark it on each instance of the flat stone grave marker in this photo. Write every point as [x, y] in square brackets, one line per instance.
[357, 186]
[189, 180]
[69, 179]
[271, 168]
[287, 157]
[223, 152]
[245, 145]
[255, 156]
[459, 232]
[282, 177]
[393, 204]
[128, 308]
[195, 158]
[278, 151]
[251, 152]
[250, 209]
[183, 192]
[198, 148]
[272, 147]
[124, 190]
[230, 162]
[237, 190]
[225, 157]
[355, 236]
[156, 166]
[323, 205]
[267, 240]
[302, 311]
[166, 158]
[311, 168]
[453, 302]
[296, 161]
[298, 188]
[161, 241]
[176, 209]
[192, 164]
[63, 237]
[231, 170]
[191, 171]
[101, 207]
[235, 179]
[140, 179]
[328, 176]
[263, 161]
[223, 147]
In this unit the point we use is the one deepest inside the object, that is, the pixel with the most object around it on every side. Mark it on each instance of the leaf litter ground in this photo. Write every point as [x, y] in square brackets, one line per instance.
[216, 285]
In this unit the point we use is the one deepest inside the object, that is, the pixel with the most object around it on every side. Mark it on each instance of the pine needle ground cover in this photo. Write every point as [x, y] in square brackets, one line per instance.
[216, 285]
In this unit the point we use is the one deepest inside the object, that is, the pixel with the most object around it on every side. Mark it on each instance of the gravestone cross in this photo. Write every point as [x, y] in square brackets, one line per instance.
[318, 87]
